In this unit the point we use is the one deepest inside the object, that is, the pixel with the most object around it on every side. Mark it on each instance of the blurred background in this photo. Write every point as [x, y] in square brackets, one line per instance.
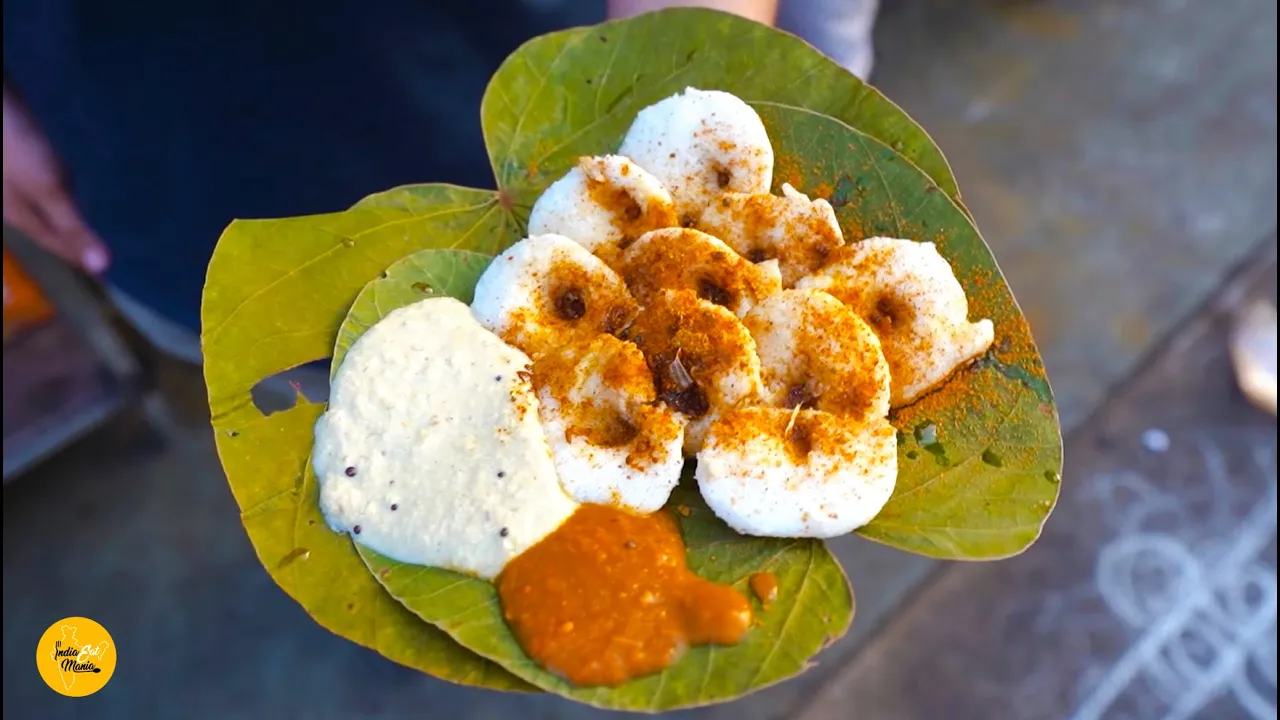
[1120, 157]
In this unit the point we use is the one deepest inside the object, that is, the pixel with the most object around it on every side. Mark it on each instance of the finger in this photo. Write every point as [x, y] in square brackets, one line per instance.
[80, 242]
[27, 216]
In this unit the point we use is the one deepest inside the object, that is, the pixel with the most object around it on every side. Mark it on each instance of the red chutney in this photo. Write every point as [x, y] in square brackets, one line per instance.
[608, 597]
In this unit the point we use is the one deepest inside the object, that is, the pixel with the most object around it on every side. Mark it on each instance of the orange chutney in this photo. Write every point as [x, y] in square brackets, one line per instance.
[765, 587]
[609, 597]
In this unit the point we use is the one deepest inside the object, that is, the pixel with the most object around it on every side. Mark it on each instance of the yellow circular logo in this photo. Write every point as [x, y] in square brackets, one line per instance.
[76, 657]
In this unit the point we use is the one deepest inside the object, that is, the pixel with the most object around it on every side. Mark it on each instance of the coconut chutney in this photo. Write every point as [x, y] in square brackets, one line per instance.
[431, 451]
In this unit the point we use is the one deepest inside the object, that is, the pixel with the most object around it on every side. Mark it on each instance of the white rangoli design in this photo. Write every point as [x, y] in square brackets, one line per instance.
[1203, 608]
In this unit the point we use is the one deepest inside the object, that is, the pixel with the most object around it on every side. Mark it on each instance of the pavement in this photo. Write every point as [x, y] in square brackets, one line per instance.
[1120, 158]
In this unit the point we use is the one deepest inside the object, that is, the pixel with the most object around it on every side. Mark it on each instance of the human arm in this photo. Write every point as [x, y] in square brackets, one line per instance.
[37, 201]
[763, 11]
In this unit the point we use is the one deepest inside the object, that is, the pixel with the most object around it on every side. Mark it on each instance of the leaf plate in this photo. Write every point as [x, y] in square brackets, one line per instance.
[278, 290]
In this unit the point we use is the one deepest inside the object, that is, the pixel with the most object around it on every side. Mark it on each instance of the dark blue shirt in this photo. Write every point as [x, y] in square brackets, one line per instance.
[174, 118]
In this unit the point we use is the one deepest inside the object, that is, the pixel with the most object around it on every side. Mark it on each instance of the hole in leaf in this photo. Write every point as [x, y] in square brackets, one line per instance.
[280, 392]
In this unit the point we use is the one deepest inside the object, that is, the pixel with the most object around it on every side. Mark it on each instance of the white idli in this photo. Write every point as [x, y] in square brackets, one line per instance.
[797, 232]
[908, 294]
[604, 203]
[701, 144]
[702, 357]
[817, 353]
[797, 473]
[686, 259]
[548, 290]
[613, 444]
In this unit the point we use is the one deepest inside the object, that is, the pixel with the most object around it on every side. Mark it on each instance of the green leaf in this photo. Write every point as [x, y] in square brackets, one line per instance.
[814, 606]
[278, 289]
[573, 93]
[276, 293]
[426, 273]
[984, 489]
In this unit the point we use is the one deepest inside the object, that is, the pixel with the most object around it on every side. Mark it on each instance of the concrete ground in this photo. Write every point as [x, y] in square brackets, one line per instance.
[1120, 158]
